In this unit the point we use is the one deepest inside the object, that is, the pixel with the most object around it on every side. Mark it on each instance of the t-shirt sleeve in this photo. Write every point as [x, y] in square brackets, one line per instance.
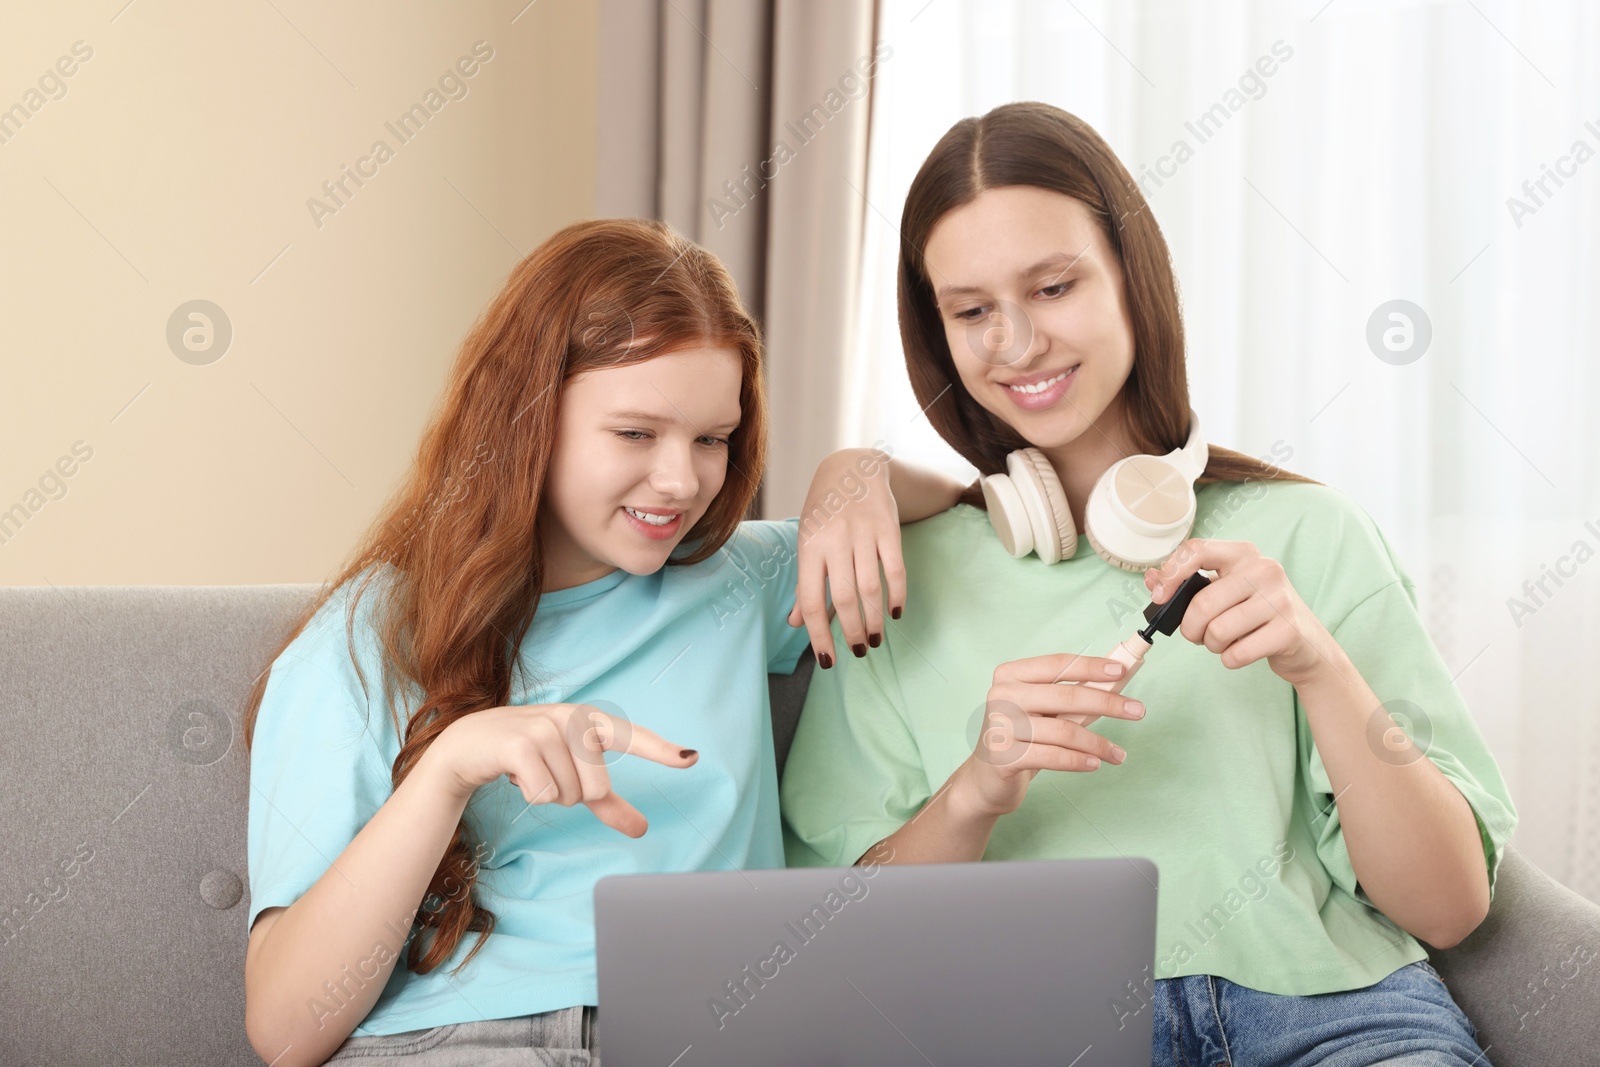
[317, 772]
[768, 553]
[1384, 636]
[854, 774]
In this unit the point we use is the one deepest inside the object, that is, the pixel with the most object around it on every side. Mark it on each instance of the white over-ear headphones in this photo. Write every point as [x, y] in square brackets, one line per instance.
[1138, 513]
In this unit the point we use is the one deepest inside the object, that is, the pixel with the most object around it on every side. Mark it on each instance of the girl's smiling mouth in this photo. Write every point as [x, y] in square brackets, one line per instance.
[656, 523]
[1041, 390]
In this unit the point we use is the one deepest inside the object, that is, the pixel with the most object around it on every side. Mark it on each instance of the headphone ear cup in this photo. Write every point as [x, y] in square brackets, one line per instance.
[1115, 561]
[1055, 536]
[1139, 512]
[1007, 515]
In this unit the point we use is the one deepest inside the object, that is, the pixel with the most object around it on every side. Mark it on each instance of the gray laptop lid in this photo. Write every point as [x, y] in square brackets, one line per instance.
[1003, 963]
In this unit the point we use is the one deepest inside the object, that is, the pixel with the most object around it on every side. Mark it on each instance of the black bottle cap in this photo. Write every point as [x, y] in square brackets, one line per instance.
[1164, 618]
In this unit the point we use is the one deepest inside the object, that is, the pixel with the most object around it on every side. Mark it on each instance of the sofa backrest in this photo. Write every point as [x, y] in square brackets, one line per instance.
[123, 885]
[126, 802]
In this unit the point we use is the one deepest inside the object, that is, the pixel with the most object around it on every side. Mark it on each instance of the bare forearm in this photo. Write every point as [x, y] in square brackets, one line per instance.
[345, 933]
[921, 492]
[944, 831]
[1411, 835]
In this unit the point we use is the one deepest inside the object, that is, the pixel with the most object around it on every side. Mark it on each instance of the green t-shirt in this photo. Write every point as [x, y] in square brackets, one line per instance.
[1223, 787]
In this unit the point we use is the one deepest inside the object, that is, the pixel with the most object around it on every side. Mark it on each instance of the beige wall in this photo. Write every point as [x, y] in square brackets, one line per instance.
[175, 163]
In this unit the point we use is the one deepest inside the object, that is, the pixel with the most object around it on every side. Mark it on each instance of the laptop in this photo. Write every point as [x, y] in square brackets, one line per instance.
[1021, 963]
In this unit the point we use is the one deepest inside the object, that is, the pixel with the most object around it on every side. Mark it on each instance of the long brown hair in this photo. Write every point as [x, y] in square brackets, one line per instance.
[464, 543]
[1039, 145]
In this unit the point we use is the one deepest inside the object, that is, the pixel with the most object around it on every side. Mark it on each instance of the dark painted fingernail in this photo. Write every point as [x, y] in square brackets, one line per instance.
[686, 753]
[894, 612]
[874, 640]
[859, 649]
[824, 660]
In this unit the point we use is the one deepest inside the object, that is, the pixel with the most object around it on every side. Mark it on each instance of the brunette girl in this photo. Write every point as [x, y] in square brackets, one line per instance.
[1307, 847]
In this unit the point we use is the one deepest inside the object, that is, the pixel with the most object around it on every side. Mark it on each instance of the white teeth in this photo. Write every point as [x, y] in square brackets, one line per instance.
[653, 520]
[1038, 387]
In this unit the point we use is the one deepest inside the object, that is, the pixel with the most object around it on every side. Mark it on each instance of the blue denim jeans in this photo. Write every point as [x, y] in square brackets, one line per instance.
[566, 1037]
[1408, 1018]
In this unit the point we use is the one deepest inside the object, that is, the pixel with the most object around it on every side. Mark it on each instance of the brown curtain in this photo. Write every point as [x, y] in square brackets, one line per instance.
[733, 121]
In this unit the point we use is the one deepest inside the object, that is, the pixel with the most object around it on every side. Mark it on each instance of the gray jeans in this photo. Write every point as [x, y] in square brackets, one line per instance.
[565, 1037]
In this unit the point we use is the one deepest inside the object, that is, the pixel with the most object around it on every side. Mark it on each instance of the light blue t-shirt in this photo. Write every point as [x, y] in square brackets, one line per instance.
[684, 652]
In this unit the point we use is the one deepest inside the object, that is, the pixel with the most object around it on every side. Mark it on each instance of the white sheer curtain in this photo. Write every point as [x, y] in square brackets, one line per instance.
[1382, 158]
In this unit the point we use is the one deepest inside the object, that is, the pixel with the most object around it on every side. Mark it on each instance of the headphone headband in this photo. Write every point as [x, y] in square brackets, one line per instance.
[1194, 455]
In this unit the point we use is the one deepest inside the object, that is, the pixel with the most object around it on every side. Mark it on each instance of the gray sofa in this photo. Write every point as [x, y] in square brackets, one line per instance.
[122, 859]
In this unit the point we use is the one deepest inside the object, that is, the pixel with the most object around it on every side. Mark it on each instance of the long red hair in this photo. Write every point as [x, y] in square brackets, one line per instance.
[462, 533]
